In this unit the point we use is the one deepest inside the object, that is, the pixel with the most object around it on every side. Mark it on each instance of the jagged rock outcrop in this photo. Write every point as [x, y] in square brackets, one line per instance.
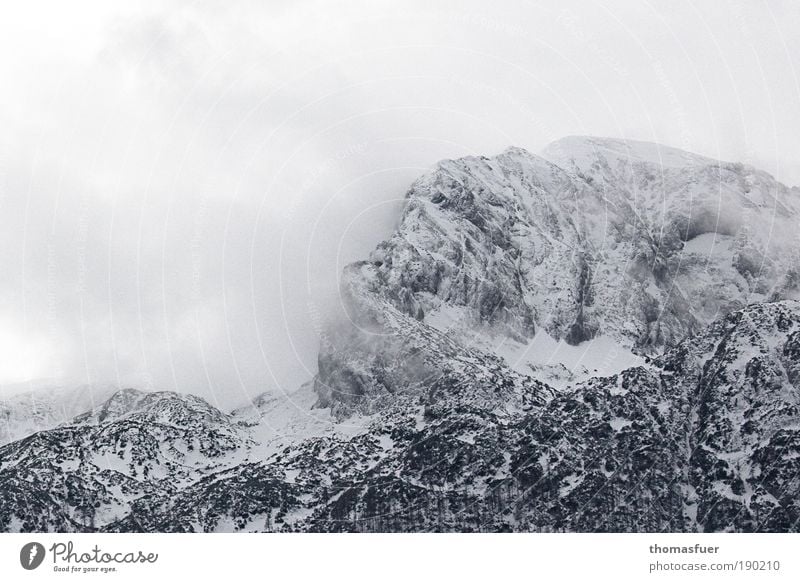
[633, 241]
[741, 375]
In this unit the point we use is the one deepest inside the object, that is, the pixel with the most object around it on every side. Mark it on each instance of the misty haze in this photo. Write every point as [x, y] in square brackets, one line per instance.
[384, 267]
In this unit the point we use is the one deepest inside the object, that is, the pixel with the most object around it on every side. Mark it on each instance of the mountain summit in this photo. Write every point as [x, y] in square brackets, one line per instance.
[633, 243]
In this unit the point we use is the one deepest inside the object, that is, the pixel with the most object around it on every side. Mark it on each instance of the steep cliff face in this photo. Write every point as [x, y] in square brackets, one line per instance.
[603, 338]
[717, 236]
[632, 242]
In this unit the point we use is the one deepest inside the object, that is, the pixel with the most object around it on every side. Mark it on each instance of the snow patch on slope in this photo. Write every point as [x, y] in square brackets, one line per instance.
[544, 358]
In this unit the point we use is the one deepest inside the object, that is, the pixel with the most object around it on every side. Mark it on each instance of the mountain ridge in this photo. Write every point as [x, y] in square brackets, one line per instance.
[593, 345]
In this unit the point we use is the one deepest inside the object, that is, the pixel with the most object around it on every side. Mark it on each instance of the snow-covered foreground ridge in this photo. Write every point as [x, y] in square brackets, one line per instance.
[605, 337]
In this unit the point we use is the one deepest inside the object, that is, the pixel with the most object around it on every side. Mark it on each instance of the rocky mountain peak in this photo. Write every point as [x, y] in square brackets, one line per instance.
[636, 242]
[605, 337]
[148, 406]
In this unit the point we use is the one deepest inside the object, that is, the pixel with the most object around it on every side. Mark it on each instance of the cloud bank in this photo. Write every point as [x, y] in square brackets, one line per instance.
[181, 183]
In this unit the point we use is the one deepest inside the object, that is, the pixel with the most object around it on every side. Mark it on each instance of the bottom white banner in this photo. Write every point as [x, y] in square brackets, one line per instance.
[354, 557]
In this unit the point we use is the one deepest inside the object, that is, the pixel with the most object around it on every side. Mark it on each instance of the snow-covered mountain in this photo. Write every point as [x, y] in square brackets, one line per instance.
[612, 244]
[605, 337]
[84, 474]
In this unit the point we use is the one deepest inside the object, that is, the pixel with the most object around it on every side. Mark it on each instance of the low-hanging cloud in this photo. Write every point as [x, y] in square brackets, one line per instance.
[183, 182]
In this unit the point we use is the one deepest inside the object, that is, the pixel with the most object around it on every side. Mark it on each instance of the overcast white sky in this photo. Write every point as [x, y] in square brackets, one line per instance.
[181, 182]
